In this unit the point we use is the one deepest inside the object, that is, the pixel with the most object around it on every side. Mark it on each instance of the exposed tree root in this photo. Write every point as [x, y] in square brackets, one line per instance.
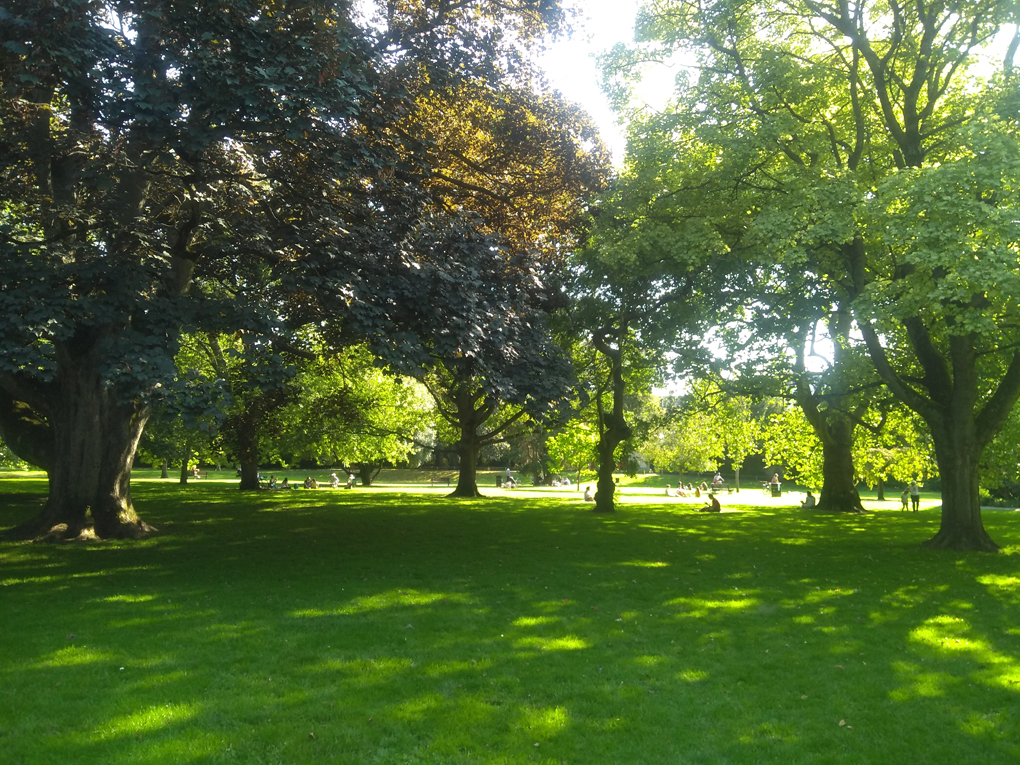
[471, 493]
[962, 542]
[38, 530]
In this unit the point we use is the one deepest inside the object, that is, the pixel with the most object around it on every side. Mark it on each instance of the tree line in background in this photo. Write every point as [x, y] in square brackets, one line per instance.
[342, 234]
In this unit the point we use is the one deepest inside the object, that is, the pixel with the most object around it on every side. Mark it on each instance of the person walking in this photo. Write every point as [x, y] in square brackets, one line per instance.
[915, 495]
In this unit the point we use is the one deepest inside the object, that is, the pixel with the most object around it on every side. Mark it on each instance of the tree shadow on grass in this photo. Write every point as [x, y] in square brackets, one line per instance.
[399, 627]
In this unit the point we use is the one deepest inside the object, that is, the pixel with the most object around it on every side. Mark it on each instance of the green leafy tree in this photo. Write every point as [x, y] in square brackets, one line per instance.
[835, 128]
[346, 410]
[892, 444]
[160, 159]
[572, 448]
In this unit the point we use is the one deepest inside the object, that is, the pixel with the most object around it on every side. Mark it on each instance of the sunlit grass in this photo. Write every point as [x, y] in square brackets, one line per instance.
[392, 626]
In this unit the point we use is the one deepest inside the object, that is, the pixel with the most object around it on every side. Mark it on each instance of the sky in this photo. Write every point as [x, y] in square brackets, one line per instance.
[571, 69]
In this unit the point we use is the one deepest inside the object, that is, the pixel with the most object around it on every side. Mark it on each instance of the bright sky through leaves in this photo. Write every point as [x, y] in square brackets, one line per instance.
[571, 68]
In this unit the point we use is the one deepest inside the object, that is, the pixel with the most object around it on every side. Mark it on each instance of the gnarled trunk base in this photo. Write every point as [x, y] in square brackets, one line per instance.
[94, 442]
[961, 527]
[964, 540]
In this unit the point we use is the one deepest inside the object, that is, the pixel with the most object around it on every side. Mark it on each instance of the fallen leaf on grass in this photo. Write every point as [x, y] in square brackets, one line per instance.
[842, 723]
[311, 735]
[840, 666]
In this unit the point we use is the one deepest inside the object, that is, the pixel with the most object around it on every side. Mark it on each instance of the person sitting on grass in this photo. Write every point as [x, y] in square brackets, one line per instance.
[272, 482]
[285, 484]
[712, 507]
[588, 496]
[809, 500]
[668, 493]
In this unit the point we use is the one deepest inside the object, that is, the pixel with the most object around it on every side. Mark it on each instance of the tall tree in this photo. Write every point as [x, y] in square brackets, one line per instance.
[823, 115]
[152, 149]
[132, 134]
[348, 411]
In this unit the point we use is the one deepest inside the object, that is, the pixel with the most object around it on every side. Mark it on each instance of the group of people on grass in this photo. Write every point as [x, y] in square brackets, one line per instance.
[690, 490]
[912, 494]
[308, 483]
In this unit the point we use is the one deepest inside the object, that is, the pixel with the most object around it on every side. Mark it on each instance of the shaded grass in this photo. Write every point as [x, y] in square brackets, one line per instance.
[399, 627]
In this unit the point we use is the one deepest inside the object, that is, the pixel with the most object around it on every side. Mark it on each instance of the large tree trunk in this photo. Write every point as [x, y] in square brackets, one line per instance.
[165, 470]
[367, 473]
[246, 442]
[95, 437]
[613, 426]
[249, 474]
[880, 490]
[957, 451]
[830, 422]
[184, 471]
[839, 492]
[467, 473]
[605, 486]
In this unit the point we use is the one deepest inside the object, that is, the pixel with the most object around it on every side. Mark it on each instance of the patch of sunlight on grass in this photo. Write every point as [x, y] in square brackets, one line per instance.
[73, 656]
[382, 601]
[416, 709]
[692, 675]
[697, 608]
[137, 622]
[978, 724]
[769, 731]
[128, 598]
[645, 563]
[566, 643]
[951, 634]
[29, 580]
[948, 633]
[154, 681]
[1009, 583]
[534, 621]
[145, 720]
[819, 595]
[921, 684]
[119, 571]
[545, 722]
[365, 671]
[904, 599]
[793, 540]
[647, 661]
[439, 669]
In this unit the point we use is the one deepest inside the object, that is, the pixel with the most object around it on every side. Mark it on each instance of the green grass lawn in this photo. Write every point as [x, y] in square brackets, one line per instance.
[393, 626]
